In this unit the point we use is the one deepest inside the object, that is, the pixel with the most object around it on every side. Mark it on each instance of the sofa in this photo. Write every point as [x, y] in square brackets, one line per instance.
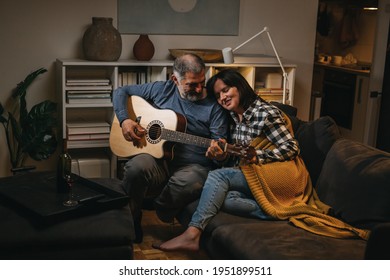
[352, 178]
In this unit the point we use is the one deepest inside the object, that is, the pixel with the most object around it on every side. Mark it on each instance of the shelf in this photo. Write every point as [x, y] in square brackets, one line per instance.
[81, 105]
[85, 71]
[87, 145]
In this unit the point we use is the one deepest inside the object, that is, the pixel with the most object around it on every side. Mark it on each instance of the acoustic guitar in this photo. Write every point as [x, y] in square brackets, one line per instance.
[164, 128]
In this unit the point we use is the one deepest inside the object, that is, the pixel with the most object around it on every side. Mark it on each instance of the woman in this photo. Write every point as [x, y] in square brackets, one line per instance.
[270, 181]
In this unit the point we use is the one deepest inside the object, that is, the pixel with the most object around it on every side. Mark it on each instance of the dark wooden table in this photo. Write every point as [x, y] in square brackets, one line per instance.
[96, 230]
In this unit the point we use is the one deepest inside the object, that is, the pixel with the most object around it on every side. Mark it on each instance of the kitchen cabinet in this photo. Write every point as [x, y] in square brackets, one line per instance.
[93, 80]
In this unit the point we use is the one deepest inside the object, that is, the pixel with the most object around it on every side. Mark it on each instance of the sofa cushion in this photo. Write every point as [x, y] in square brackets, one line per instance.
[232, 237]
[278, 240]
[355, 182]
[315, 139]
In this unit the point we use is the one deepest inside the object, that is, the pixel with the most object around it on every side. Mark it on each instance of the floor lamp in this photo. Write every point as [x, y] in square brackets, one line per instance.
[228, 57]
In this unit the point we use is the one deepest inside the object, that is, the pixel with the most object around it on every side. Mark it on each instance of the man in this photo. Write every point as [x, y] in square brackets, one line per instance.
[180, 179]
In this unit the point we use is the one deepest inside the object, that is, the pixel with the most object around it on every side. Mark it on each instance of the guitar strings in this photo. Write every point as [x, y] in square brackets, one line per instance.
[156, 132]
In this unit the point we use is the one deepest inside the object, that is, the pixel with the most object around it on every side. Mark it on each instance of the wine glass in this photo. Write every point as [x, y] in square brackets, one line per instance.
[71, 201]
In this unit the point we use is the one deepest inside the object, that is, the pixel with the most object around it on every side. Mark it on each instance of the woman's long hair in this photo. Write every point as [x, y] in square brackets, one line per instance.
[233, 78]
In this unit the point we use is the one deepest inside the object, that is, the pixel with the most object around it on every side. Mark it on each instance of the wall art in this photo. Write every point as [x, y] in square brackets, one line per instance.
[181, 17]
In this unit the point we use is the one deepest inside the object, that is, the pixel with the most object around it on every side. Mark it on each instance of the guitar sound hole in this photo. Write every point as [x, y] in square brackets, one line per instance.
[155, 132]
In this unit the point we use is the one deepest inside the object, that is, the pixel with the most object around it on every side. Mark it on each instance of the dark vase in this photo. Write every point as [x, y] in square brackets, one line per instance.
[102, 41]
[143, 48]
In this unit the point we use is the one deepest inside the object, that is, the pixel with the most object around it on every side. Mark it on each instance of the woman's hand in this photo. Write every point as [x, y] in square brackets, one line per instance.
[250, 155]
[132, 131]
[215, 151]
[247, 153]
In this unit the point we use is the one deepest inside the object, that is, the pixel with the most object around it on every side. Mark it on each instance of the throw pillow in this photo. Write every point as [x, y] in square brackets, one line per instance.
[315, 139]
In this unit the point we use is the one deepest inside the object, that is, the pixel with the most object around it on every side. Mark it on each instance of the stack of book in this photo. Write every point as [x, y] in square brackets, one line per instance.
[132, 78]
[88, 91]
[87, 134]
[271, 94]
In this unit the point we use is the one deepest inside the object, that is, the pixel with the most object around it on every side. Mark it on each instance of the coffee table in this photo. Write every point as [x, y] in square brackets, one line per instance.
[100, 230]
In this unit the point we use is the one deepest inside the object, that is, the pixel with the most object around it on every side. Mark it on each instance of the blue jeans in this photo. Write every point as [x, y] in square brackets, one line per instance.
[225, 189]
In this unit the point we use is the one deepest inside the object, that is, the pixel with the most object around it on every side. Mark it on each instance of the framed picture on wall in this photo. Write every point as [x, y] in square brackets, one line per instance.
[180, 17]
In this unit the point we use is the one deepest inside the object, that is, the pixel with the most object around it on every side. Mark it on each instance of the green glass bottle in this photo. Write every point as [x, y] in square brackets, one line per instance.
[64, 168]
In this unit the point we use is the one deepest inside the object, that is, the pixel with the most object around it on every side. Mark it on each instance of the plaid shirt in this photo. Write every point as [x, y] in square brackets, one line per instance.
[262, 117]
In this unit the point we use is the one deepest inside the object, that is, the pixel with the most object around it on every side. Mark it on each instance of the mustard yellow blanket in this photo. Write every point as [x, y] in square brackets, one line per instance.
[284, 191]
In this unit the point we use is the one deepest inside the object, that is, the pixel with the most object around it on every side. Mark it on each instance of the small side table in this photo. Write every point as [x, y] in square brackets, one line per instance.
[107, 234]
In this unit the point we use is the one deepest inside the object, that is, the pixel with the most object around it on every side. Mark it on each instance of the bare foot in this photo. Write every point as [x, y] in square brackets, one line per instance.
[188, 241]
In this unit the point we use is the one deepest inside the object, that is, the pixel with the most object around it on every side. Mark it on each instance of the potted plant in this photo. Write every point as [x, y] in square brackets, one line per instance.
[29, 133]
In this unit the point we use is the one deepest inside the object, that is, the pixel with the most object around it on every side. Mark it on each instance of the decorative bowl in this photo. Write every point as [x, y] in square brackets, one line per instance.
[208, 55]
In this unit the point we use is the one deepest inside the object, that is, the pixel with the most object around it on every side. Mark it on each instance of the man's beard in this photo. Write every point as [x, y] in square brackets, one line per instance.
[192, 95]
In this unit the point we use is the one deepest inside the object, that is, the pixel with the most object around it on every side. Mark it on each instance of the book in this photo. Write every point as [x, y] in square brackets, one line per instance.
[273, 91]
[90, 98]
[132, 78]
[74, 92]
[89, 101]
[88, 143]
[87, 82]
[89, 87]
[88, 95]
[271, 94]
[87, 127]
[92, 136]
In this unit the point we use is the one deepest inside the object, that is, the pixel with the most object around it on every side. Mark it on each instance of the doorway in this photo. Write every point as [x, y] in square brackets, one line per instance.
[383, 136]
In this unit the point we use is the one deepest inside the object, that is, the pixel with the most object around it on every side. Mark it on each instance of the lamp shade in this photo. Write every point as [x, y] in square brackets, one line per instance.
[227, 54]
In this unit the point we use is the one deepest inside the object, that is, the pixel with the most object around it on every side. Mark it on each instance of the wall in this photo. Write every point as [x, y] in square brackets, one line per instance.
[377, 75]
[35, 33]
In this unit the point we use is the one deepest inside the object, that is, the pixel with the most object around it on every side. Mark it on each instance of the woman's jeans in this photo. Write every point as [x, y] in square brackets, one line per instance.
[225, 188]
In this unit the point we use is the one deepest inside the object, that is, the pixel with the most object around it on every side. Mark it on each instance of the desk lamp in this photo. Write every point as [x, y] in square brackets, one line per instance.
[228, 57]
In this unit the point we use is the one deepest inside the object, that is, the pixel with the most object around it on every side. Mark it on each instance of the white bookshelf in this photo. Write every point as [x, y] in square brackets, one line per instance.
[155, 70]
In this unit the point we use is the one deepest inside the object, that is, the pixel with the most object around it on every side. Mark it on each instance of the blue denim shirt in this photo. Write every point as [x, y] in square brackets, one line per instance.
[205, 118]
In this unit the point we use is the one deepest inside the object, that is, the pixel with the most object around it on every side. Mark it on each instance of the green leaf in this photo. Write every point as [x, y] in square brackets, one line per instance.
[29, 133]
[20, 93]
[3, 119]
[15, 128]
[21, 89]
[39, 139]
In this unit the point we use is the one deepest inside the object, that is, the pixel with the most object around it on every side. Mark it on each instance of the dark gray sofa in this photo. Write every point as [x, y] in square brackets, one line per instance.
[351, 177]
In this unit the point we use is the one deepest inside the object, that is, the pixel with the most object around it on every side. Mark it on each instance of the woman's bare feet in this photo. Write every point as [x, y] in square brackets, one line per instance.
[188, 241]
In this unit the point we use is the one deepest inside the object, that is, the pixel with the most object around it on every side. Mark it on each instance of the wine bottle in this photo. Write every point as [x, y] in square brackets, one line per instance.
[64, 168]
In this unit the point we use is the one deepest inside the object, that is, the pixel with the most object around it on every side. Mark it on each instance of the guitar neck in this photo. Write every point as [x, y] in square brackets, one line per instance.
[184, 138]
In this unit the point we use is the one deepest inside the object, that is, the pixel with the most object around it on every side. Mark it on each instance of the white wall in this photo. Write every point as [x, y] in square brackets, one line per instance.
[34, 33]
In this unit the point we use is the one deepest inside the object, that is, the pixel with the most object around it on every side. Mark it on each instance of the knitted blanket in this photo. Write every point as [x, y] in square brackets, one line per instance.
[284, 191]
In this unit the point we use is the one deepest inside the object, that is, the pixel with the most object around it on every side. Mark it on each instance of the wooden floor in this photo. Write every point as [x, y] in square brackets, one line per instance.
[155, 231]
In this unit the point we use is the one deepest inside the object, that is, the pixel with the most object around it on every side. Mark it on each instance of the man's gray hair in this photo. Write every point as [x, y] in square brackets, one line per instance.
[188, 63]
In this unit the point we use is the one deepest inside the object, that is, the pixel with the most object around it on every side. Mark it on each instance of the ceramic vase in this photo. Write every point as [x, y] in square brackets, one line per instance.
[102, 41]
[143, 48]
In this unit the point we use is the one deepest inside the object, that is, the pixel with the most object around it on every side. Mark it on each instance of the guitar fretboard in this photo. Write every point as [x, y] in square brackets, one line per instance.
[184, 138]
